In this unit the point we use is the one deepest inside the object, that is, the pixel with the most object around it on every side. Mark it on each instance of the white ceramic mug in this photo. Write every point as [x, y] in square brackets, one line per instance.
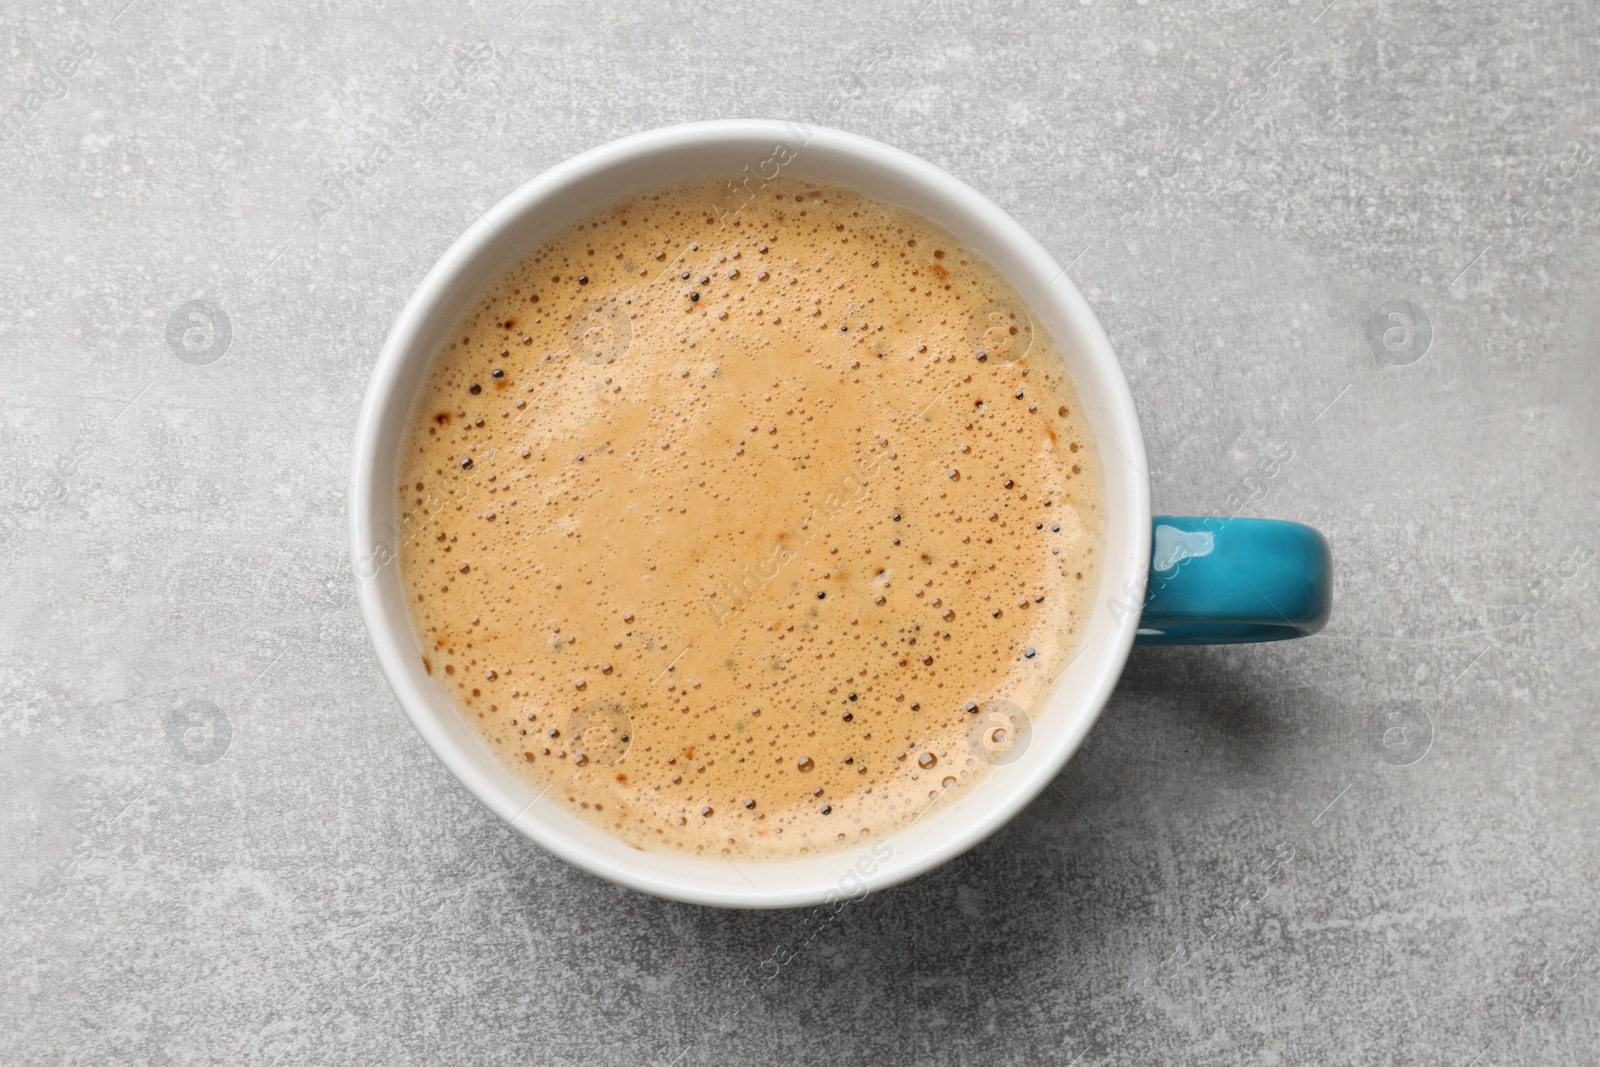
[750, 153]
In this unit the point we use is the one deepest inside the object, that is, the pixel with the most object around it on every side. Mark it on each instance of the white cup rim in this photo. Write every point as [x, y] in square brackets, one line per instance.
[450, 286]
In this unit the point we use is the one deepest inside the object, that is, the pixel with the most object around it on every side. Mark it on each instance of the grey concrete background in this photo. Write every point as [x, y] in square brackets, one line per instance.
[221, 842]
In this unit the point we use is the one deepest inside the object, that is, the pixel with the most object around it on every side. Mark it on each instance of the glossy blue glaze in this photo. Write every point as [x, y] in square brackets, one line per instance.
[1227, 581]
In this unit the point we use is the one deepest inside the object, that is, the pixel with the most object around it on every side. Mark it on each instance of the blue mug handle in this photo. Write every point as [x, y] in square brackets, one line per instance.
[1217, 581]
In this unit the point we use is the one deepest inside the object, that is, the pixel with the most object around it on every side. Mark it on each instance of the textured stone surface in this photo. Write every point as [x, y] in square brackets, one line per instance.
[1235, 869]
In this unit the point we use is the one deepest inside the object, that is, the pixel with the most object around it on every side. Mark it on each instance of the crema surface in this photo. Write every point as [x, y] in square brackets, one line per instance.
[748, 523]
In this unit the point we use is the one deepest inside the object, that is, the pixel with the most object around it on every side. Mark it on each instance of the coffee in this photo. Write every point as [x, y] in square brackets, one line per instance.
[735, 531]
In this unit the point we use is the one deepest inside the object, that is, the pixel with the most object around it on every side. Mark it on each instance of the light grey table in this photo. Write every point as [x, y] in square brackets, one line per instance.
[1376, 846]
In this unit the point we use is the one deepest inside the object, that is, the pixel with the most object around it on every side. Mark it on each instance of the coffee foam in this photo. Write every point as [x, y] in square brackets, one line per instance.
[749, 534]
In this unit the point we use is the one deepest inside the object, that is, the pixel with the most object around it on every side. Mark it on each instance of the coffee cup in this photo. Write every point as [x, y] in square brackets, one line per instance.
[1164, 580]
